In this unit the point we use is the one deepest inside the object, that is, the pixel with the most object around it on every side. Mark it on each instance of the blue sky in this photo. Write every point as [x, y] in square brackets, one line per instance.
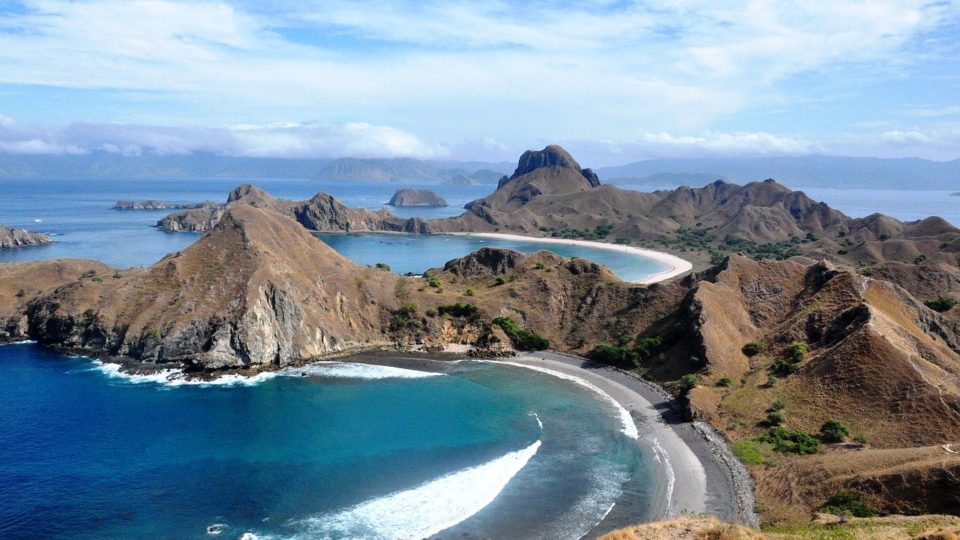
[613, 81]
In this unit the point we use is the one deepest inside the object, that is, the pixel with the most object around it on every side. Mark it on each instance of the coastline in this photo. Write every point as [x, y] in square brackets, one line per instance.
[707, 478]
[676, 265]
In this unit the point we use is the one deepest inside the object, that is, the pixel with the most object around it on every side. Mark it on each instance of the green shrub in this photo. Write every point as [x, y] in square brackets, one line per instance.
[776, 418]
[796, 352]
[153, 333]
[941, 304]
[783, 367]
[383, 266]
[832, 431]
[500, 280]
[847, 501]
[753, 348]
[522, 339]
[434, 282]
[88, 313]
[724, 381]
[459, 310]
[405, 318]
[791, 442]
[116, 275]
[96, 279]
[687, 383]
[470, 292]
[648, 346]
[615, 355]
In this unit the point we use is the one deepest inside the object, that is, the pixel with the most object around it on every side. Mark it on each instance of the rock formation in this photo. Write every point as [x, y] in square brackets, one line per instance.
[322, 213]
[416, 197]
[14, 238]
[153, 204]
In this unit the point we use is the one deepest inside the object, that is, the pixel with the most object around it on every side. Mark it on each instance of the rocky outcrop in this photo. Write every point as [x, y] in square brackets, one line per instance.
[153, 204]
[321, 213]
[416, 197]
[15, 238]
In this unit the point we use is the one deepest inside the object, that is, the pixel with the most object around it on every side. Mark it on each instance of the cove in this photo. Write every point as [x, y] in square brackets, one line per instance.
[337, 451]
[417, 253]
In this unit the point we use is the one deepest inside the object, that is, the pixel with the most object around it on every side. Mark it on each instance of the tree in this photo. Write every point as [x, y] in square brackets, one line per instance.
[753, 348]
[832, 431]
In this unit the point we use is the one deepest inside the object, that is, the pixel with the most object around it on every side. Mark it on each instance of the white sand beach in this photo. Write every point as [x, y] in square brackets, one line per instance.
[685, 477]
[676, 265]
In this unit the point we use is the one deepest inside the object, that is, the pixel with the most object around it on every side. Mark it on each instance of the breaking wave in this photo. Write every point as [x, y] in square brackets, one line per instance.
[339, 370]
[629, 426]
[426, 509]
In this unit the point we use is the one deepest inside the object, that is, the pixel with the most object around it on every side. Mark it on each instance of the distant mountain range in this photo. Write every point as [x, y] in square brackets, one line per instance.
[107, 165]
[802, 171]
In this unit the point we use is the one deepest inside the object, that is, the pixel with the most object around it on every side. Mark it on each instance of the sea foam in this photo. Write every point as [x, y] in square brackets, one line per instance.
[629, 426]
[340, 370]
[426, 509]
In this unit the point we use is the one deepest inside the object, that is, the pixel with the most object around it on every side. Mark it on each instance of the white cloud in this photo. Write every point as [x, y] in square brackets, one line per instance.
[287, 140]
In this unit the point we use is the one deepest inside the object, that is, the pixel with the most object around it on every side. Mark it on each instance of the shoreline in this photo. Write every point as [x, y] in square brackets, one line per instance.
[676, 265]
[708, 478]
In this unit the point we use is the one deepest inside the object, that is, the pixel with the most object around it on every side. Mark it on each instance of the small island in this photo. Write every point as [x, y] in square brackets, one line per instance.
[955, 194]
[15, 238]
[153, 204]
[416, 197]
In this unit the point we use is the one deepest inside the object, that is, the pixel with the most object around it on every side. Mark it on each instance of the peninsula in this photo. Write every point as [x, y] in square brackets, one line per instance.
[153, 204]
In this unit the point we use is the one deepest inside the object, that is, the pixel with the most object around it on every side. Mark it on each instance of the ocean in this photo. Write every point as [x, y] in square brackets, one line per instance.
[465, 449]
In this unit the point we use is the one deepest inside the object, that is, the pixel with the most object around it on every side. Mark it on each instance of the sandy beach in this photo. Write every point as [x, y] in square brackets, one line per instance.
[675, 265]
[706, 478]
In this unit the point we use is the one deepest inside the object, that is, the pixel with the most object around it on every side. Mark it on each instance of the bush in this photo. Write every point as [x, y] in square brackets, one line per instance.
[687, 383]
[522, 339]
[460, 310]
[796, 352]
[847, 501]
[470, 292]
[776, 418]
[648, 346]
[500, 280]
[941, 304]
[791, 442]
[753, 348]
[724, 381]
[614, 355]
[832, 431]
[778, 405]
[783, 367]
[434, 282]
[383, 266]
[405, 317]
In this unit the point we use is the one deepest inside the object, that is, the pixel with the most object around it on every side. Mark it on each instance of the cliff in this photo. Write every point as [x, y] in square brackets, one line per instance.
[14, 238]
[416, 197]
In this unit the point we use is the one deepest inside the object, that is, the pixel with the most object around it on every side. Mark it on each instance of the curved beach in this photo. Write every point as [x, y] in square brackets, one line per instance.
[702, 474]
[675, 265]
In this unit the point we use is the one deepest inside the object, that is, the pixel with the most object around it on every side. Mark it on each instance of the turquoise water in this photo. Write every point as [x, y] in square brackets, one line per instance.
[330, 451]
[417, 253]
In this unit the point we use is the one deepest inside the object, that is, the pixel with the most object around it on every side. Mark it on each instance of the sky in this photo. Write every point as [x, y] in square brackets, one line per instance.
[613, 81]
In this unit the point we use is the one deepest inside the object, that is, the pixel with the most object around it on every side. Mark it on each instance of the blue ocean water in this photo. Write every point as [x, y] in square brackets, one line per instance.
[79, 215]
[335, 452]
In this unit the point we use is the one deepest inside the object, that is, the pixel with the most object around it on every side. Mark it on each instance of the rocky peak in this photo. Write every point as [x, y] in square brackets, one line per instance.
[250, 194]
[551, 156]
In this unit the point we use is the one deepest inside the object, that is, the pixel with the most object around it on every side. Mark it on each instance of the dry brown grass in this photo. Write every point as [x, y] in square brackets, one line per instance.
[703, 528]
